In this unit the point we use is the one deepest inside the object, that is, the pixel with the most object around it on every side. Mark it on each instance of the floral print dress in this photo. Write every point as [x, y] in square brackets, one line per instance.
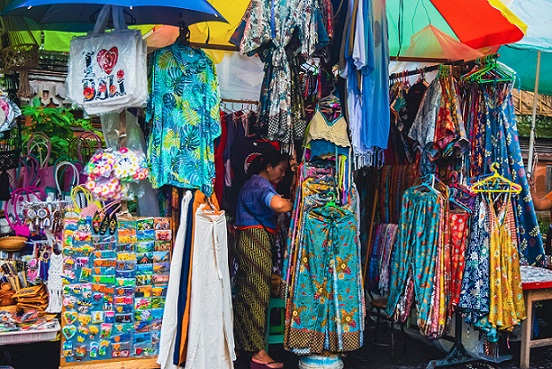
[184, 109]
[494, 136]
[414, 269]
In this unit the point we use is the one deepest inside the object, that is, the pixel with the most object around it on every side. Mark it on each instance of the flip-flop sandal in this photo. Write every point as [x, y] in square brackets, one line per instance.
[255, 365]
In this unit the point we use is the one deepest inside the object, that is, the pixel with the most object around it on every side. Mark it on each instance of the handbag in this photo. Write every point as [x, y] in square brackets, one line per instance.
[73, 181]
[107, 71]
[13, 208]
[84, 204]
[26, 174]
[40, 146]
[86, 144]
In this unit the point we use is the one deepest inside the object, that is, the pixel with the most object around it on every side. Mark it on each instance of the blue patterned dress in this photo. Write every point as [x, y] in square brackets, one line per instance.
[494, 136]
[415, 252]
[474, 295]
[184, 109]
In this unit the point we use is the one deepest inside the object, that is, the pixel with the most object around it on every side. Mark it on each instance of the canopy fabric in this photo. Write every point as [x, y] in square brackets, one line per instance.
[467, 17]
[60, 41]
[501, 25]
[433, 43]
[80, 15]
[522, 55]
[524, 62]
[457, 18]
[537, 14]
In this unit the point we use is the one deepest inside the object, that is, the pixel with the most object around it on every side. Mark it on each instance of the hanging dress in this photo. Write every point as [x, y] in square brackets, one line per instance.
[507, 306]
[474, 296]
[413, 261]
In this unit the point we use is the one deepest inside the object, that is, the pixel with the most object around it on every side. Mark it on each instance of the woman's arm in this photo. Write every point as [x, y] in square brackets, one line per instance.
[281, 205]
[542, 203]
[539, 203]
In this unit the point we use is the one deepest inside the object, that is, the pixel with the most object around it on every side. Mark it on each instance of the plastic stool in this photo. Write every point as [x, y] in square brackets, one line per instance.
[275, 333]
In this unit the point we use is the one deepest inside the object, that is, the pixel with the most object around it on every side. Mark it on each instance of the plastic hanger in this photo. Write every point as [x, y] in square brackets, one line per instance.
[429, 182]
[489, 71]
[453, 200]
[331, 202]
[493, 182]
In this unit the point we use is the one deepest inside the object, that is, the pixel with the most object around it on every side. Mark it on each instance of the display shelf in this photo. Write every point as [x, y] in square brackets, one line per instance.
[10, 338]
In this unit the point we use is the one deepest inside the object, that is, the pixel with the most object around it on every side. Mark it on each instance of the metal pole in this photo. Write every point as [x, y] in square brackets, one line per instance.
[534, 117]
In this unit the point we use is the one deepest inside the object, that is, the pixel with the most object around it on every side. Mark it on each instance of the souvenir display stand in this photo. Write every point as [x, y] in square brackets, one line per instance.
[115, 285]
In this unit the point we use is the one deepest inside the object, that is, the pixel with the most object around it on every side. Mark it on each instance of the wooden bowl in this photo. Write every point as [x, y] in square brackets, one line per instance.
[12, 243]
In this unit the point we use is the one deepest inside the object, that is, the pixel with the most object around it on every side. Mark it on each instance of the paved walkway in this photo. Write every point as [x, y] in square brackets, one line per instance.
[417, 356]
[45, 355]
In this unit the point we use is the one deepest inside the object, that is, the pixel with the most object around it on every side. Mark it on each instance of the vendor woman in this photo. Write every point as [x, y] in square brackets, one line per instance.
[258, 203]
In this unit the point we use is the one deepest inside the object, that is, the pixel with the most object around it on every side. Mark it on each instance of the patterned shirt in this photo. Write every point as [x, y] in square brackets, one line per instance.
[184, 105]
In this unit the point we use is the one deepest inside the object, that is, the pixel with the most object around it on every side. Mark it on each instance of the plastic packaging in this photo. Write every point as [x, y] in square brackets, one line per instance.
[148, 204]
[111, 173]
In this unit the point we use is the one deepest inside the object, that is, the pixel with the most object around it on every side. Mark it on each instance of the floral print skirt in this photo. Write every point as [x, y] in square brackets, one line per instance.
[325, 310]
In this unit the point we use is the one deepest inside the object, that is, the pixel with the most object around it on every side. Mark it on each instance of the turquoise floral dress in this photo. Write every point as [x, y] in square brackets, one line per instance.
[184, 110]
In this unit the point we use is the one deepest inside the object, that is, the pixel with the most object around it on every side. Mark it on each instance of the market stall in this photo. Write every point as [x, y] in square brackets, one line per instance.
[403, 187]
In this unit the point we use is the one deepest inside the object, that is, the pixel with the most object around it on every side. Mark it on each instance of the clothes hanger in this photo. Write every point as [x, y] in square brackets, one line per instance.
[489, 71]
[452, 199]
[331, 202]
[429, 182]
[493, 182]
[211, 209]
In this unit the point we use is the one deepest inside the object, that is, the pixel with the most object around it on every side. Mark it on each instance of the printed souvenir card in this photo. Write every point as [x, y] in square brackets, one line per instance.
[114, 287]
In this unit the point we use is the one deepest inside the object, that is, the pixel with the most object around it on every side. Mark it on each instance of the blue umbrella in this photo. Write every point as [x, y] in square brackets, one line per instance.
[72, 15]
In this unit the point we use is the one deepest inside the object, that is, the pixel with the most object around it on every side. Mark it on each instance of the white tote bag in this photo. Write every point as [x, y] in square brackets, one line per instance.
[107, 71]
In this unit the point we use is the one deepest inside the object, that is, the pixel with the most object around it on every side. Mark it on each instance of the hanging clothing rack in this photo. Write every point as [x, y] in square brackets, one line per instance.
[414, 72]
[460, 63]
[242, 101]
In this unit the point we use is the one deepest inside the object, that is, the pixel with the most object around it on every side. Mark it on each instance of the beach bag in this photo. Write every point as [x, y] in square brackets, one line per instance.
[107, 71]
[40, 146]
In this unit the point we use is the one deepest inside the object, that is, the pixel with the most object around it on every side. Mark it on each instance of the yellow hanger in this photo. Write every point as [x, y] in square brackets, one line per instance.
[494, 180]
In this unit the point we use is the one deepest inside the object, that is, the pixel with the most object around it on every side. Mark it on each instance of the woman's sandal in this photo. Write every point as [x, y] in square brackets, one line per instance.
[256, 365]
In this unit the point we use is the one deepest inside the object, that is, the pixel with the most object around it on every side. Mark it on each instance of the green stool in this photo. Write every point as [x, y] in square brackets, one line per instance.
[275, 333]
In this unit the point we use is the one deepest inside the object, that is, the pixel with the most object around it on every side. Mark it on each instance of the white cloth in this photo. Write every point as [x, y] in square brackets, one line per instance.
[210, 332]
[55, 283]
[170, 315]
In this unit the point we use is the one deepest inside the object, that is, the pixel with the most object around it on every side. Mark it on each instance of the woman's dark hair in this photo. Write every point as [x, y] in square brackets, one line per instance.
[261, 162]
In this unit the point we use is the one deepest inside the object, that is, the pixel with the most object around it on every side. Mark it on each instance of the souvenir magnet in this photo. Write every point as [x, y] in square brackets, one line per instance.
[67, 349]
[69, 331]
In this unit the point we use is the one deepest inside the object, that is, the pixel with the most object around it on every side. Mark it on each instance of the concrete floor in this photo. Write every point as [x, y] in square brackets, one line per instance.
[417, 355]
[45, 355]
